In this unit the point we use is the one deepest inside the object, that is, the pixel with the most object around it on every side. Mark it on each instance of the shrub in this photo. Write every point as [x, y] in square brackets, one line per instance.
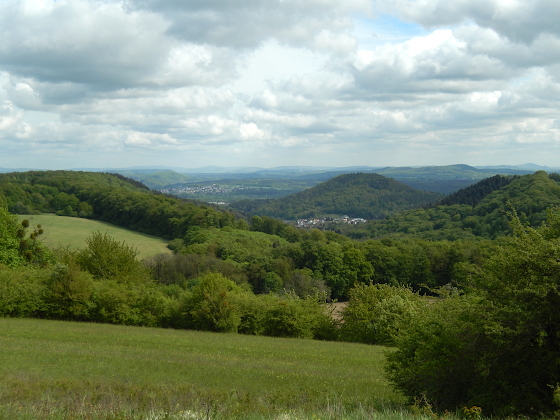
[376, 313]
[9, 240]
[106, 258]
[498, 346]
[130, 304]
[21, 291]
[212, 306]
[291, 316]
[252, 311]
[438, 352]
[68, 292]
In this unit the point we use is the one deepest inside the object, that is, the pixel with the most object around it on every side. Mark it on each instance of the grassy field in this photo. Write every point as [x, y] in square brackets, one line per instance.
[73, 231]
[65, 370]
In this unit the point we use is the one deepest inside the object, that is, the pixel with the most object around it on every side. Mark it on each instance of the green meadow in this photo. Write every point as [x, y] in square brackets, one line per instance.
[73, 231]
[68, 370]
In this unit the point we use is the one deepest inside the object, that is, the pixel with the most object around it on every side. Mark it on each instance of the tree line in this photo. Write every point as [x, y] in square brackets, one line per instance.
[488, 337]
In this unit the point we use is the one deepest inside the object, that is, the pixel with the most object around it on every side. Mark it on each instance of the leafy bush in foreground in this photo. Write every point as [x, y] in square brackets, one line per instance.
[497, 346]
[22, 291]
[375, 313]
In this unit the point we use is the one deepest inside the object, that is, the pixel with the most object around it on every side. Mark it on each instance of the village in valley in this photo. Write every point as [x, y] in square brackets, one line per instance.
[320, 223]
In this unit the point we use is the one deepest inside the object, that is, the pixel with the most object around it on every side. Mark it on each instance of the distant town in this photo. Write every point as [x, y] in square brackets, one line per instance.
[206, 189]
[319, 223]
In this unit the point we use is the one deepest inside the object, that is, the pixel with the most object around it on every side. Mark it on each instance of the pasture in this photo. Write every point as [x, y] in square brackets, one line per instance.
[73, 231]
[68, 370]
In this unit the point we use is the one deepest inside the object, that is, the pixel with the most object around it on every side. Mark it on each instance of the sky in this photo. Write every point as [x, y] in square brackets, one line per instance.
[191, 83]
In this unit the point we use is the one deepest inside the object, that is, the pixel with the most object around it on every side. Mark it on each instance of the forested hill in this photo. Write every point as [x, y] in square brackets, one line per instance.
[474, 194]
[529, 195]
[109, 197]
[366, 195]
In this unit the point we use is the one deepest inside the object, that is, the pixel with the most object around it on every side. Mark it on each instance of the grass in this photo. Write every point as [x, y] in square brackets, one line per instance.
[73, 231]
[65, 370]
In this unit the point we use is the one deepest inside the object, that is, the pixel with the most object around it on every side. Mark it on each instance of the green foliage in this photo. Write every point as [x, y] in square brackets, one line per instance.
[438, 352]
[10, 237]
[475, 212]
[302, 283]
[22, 291]
[184, 269]
[212, 306]
[236, 245]
[131, 304]
[276, 227]
[376, 313]
[16, 248]
[498, 346]
[292, 316]
[68, 292]
[109, 197]
[105, 258]
[370, 196]
[474, 194]
[31, 248]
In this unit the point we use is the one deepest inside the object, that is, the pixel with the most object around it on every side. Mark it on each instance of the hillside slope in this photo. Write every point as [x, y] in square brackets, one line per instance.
[366, 195]
[474, 194]
[529, 195]
[108, 197]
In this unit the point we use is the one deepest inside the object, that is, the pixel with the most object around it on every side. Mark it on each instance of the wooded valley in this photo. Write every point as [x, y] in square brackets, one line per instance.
[465, 286]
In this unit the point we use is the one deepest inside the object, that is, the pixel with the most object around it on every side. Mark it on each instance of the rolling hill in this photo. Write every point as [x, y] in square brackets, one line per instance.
[110, 198]
[366, 195]
[477, 211]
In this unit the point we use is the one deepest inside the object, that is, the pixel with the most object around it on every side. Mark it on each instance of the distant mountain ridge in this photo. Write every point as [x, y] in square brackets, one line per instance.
[301, 169]
[253, 182]
[365, 195]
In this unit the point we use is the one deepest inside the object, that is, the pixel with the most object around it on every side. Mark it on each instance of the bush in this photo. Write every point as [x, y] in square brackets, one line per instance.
[252, 311]
[498, 346]
[292, 316]
[21, 291]
[212, 306]
[128, 304]
[9, 240]
[438, 352]
[106, 258]
[376, 313]
[68, 292]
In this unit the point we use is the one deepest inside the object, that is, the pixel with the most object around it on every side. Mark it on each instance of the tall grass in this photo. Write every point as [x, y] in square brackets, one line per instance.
[63, 370]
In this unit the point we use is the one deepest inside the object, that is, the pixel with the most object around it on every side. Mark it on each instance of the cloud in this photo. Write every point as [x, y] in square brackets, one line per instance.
[9, 117]
[318, 24]
[81, 42]
[518, 20]
[68, 44]
[195, 82]
[439, 62]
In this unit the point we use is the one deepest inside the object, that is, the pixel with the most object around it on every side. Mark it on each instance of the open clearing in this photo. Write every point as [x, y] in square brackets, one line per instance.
[73, 231]
[81, 365]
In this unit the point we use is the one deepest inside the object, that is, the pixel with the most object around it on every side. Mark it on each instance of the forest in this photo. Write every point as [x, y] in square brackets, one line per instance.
[368, 196]
[470, 281]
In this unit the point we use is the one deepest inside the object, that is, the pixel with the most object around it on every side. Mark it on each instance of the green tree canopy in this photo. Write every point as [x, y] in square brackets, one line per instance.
[10, 237]
[497, 346]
